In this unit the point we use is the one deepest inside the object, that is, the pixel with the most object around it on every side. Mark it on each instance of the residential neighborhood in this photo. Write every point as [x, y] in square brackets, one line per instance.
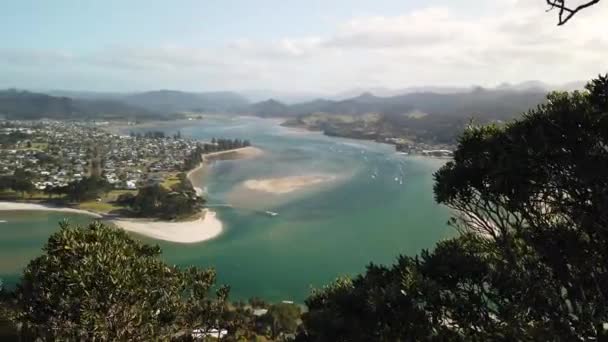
[56, 153]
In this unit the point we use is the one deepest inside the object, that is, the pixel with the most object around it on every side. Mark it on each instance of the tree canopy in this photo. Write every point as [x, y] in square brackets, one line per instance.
[97, 283]
[531, 261]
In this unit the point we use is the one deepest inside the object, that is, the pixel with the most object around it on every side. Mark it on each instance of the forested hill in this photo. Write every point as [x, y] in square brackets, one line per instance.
[24, 105]
[430, 118]
[152, 105]
[179, 101]
[485, 103]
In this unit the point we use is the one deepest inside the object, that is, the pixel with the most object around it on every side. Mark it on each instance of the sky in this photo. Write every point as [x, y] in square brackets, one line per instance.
[316, 46]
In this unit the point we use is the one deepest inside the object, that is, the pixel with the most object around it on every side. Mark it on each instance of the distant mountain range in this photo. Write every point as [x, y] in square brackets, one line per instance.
[494, 104]
[24, 105]
[167, 100]
[178, 101]
[500, 102]
[523, 86]
[153, 105]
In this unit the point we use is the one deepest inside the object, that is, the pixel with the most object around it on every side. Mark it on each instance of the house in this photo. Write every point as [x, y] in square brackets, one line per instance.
[213, 333]
[131, 184]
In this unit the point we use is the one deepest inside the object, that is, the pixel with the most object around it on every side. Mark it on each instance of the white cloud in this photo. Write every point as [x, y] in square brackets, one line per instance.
[515, 40]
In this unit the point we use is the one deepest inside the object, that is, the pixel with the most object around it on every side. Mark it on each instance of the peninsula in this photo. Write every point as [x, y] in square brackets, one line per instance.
[137, 182]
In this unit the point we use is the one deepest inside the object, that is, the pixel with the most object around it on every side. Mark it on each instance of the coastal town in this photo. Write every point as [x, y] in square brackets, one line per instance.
[87, 166]
[56, 153]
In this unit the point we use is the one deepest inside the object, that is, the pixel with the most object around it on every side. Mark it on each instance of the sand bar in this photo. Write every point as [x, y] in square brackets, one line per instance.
[286, 185]
[194, 175]
[19, 206]
[199, 230]
[237, 153]
[202, 229]
[205, 228]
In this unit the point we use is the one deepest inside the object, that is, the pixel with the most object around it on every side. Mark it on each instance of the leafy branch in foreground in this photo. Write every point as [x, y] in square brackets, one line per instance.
[97, 283]
[531, 262]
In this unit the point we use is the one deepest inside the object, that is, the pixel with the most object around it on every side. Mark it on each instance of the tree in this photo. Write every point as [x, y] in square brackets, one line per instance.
[536, 188]
[23, 186]
[126, 199]
[156, 201]
[86, 189]
[531, 261]
[8, 331]
[96, 283]
[282, 319]
[566, 11]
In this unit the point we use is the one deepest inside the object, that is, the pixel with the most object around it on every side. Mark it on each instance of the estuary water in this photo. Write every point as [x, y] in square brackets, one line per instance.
[379, 204]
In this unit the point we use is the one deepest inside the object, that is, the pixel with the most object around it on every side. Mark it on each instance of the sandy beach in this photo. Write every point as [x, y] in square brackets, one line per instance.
[205, 228]
[237, 153]
[17, 206]
[286, 185]
[195, 175]
[199, 230]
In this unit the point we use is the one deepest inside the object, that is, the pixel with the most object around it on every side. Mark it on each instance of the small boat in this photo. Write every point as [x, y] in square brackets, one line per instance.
[271, 213]
[396, 179]
[3, 221]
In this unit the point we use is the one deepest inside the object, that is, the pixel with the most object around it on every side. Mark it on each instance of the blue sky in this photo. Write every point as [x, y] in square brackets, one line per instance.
[299, 46]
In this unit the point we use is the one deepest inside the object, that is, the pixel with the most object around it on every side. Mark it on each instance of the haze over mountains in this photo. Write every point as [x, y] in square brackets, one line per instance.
[502, 102]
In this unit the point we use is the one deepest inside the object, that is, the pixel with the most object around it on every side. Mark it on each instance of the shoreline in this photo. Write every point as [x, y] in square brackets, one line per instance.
[237, 153]
[206, 227]
[202, 229]
[303, 128]
[25, 206]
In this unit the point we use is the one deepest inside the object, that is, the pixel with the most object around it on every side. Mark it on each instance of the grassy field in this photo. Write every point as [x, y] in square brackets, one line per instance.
[99, 207]
[170, 181]
[40, 147]
[113, 195]
[104, 206]
[35, 196]
[106, 203]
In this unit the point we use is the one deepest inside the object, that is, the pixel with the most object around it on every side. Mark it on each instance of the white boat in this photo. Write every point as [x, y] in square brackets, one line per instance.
[3, 221]
[271, 213]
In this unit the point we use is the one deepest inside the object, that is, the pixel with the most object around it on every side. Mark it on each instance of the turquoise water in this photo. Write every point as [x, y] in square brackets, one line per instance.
[22, 235]
[379, 206]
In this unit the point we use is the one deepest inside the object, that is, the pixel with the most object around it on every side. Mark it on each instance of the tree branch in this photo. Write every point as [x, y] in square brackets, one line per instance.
[566, 13]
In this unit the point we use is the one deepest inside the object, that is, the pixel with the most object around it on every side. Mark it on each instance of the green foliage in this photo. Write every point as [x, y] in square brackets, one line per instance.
[531, 263]
[216, 145]
[126, 199]
[12, 138]
[156, 201]
[96, 283]
[24, 105]
[86, 189]
[281, 319]
[8, 330]
[20, 181]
